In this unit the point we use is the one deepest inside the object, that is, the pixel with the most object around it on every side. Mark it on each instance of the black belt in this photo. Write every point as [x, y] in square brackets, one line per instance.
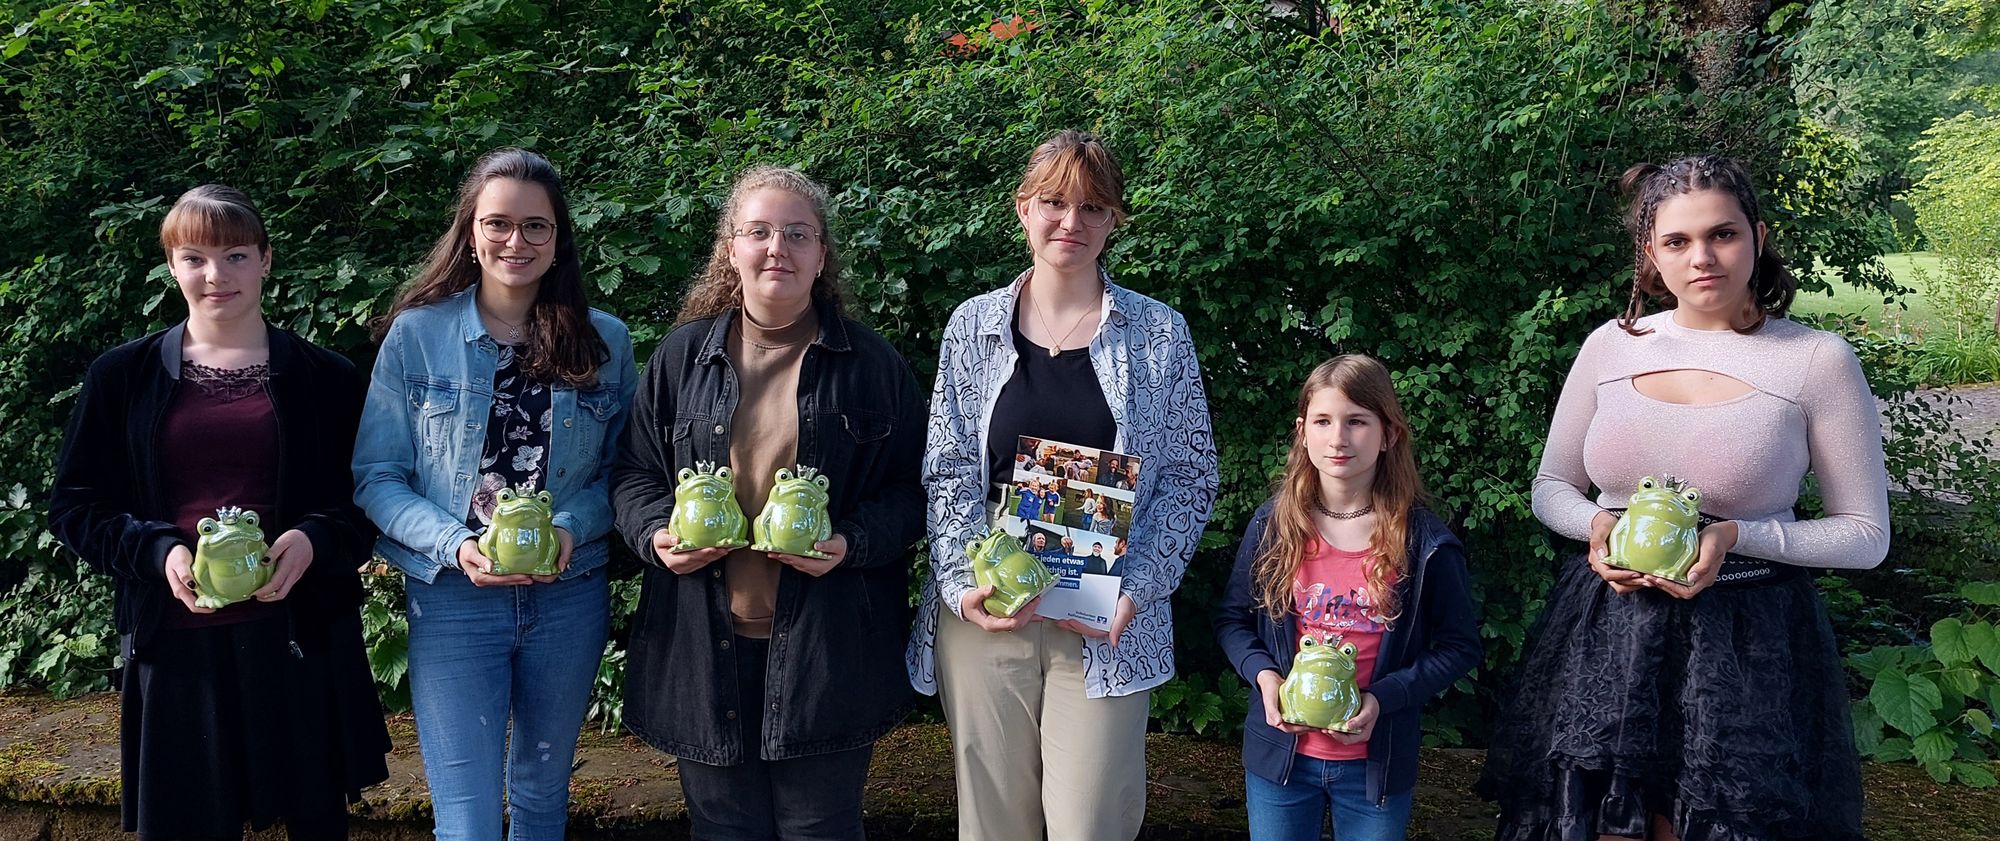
[1738, 570]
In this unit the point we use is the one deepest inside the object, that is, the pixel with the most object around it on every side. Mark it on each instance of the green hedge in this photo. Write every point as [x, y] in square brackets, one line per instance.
[1426, 181]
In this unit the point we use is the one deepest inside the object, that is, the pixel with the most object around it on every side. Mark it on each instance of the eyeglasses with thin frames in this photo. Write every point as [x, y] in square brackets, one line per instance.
[1056, 209]
[498, 229]
[797, 233]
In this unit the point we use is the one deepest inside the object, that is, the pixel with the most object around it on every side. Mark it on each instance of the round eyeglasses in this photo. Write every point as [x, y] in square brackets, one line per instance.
[1056, 209]
[498, 229]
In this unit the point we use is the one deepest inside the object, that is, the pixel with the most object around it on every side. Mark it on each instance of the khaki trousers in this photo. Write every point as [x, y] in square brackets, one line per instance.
[1030, 750]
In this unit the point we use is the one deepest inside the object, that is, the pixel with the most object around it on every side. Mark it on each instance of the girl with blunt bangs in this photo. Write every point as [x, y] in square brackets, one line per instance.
[495, 378]
[1048, 718]
[770, 675]
[1715, 707]
[1345, 553]
[262, 710]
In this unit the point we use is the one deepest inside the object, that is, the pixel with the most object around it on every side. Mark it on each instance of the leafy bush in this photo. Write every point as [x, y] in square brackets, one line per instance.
[1935, 701]
[1428, 181]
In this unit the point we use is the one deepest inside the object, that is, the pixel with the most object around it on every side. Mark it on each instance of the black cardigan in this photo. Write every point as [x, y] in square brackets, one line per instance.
[107, 507]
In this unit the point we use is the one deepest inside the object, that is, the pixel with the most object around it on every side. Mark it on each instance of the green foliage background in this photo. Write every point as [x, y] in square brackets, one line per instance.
[1428, 181]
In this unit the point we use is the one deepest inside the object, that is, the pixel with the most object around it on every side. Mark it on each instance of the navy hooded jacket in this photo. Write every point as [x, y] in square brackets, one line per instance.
[1431, 645]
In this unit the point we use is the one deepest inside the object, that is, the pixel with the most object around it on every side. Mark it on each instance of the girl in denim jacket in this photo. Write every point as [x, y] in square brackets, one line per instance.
[494, 373]
[1060, 354]
[1345, 553]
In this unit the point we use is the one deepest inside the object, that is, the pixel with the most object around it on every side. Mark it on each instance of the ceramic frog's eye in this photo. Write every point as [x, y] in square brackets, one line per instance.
[208, 526]
[505, 495]
[820, 480]
[1691, 495]
[724, 473]
[1347, 649]
[250, 518]
[784, 474]
[1307, 642]
[545, 498]
[1648, 483]
[684, 474]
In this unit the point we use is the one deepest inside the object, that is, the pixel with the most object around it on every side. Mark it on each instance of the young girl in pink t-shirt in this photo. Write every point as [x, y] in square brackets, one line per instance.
[1345, 553]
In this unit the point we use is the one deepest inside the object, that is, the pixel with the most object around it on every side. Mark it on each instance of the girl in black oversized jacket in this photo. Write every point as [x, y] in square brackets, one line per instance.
[264, 710]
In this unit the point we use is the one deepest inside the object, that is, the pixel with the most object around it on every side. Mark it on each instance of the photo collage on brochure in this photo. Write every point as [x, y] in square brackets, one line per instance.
[1071, 506]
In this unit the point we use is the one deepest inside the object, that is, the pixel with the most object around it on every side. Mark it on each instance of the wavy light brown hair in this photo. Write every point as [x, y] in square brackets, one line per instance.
[1077, 165]
[1645, 186]
[563, 348]
[1290, 533]
[213, 214]
[719, 287]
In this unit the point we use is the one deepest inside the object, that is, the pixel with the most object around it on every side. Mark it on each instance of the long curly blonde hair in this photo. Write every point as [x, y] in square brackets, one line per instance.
[720, 288]
[1290, 533]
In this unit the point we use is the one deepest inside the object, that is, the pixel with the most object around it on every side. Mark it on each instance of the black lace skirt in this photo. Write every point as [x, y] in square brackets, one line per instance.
[1727, 714]
[224, 725]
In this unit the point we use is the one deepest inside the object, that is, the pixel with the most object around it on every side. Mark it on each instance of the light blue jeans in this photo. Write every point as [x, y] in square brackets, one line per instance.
[482, 656]
[1298, 809]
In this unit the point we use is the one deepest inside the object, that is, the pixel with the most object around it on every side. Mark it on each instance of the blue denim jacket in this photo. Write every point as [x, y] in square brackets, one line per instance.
[1146, 365]
[416, 459]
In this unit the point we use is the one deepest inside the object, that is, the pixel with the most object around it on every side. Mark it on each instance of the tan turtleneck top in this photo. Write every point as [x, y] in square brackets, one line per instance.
[763, 436]
[1809, 410]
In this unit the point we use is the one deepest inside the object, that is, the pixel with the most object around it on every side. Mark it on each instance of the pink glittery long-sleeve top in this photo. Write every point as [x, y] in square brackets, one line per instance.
[1809, 409]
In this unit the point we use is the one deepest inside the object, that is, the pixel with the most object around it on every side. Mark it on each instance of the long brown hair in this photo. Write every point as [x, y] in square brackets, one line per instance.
[1646, 185]
[563, 348]
[1289, 534]
[719, 287]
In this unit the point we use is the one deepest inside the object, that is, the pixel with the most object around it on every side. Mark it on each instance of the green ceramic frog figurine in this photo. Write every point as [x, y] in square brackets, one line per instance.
[522, 538]
[1659, 531]
[1320, 692]
[1016, 576]
[229, 561]
[794, 517]
[706, 515]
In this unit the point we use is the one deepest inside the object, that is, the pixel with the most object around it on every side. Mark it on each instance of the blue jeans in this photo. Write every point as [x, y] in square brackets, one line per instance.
[479, 654]
[1297, 809]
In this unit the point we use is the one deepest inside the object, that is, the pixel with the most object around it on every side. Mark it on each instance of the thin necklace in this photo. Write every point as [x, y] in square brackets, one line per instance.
[1051, 330]
[513, 329]
[1363, 511]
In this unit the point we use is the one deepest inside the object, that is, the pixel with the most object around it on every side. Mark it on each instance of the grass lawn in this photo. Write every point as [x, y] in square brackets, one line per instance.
[1912, 311]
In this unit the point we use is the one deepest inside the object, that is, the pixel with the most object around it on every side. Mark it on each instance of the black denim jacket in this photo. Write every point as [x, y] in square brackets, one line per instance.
[107, 505]
[835, 677]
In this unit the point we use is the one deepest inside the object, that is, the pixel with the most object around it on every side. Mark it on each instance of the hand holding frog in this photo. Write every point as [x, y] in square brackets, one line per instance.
[290, 554]
[180, 578]
[683, 563]
[834, 548]
[1714, 542]
[1622, 581]
[479, 569]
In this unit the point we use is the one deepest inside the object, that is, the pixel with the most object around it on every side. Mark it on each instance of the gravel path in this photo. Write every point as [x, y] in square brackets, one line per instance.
[1975, 409]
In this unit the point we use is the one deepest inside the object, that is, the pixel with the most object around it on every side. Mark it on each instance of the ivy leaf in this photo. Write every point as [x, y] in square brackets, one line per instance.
[1982, 592]
[1871, 663]
[1906, 701]
[1949, 644]
[1984, 643]
[1894, 749]
[1867, 728]
[1973, 774]
[1933, 748]
[1980, 721]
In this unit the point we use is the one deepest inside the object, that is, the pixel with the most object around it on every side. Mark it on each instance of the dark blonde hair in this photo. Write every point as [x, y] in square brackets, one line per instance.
[1078, 165]
[719, 287]
[563, 348]
[1290, 532]
[213, 214]
[1645, 186]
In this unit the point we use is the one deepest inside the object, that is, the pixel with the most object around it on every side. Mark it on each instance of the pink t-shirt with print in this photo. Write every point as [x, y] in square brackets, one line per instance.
[1331, 599]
